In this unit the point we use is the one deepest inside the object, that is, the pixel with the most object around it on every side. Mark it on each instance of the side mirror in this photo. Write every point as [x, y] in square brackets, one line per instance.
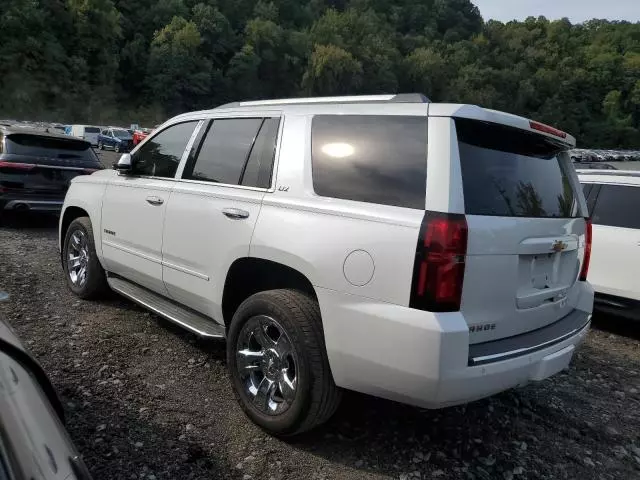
[124, 165]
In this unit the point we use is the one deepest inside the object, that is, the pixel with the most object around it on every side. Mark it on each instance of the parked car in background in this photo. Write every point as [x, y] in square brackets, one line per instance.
[117, 139]
[35, 444]
[140, 135]
[36, 168]
[595, 165]
[613, 198]
[357, 262]
[86, 132]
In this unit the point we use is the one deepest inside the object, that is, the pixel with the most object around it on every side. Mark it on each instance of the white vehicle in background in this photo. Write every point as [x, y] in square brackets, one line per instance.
[613, 198]
[86, 132]
[432, 254]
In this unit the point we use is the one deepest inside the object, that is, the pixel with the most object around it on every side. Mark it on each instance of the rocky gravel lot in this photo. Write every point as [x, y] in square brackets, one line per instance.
[145, 400]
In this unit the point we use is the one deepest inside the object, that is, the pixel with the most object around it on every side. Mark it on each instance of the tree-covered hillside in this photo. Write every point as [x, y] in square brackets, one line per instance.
[143, 60]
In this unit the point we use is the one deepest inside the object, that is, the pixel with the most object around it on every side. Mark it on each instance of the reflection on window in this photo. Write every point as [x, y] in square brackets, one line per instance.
[375, 159]
[338, 150]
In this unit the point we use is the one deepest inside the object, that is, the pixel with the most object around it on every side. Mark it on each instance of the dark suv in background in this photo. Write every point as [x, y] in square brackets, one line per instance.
[37, 167]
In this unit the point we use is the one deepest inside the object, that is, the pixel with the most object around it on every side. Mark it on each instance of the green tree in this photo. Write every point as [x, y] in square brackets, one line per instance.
[332, 71]
[178, 77]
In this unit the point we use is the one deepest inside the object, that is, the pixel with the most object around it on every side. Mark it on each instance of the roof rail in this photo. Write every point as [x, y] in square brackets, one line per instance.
[614, 173]
[393, 98]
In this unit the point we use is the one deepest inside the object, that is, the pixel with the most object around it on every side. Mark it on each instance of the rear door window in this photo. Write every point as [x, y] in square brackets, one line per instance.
[259, 167]
[367, 158]
[225, 150]
[616, 206]
[236, 151]
[509, 172]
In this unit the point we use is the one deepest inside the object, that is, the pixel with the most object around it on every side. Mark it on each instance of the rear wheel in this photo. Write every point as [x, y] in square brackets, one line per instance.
[100, 146]
[278, 363]
[83, 273]
[116, 148]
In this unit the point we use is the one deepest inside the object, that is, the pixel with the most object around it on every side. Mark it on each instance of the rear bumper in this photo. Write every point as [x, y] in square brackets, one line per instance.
[423, 358]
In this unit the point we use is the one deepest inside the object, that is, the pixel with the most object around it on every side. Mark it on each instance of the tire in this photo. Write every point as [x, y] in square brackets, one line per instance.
[116, 147]
[94, 283]
[100, 146]
[316, 396]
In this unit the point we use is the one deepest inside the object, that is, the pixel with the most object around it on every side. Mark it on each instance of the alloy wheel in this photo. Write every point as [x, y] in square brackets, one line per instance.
[267, 364]
[78, 258]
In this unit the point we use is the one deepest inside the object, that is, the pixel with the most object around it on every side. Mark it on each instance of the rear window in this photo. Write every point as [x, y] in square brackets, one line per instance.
[40, 147]
[509, 172]
[374, 159]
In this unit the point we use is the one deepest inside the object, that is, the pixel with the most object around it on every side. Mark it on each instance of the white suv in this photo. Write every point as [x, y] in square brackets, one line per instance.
[432, 254]
[612, 198]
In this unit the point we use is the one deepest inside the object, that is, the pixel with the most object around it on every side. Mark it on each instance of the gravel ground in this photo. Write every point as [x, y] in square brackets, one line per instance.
[146, 400]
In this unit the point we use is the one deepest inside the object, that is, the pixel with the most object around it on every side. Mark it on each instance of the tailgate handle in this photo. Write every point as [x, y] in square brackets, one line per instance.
[539, 246]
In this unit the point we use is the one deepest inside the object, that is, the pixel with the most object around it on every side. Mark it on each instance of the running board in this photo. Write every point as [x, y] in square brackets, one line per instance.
[167, 309]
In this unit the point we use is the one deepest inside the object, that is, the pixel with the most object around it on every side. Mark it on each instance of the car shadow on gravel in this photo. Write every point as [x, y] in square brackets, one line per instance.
[214, 349]
[547, 428]
[127, 444]
[29, 221]
[617, 325]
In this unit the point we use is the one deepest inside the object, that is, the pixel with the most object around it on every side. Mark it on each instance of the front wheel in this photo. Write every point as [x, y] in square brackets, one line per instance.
[117, 148]
[83, 273]
[278, 363]
[100, 146]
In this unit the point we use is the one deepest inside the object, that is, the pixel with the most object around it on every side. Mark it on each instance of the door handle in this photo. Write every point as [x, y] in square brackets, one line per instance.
[235, 213]
[153, 200]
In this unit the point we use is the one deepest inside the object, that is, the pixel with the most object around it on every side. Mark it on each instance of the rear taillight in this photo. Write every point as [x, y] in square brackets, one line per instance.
[588, 233]
[17, 166]
[438, 272]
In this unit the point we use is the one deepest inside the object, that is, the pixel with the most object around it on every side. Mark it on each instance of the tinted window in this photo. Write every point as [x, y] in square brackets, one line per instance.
[121, 134]
[375, 159]
[590, 193]
[160, 156]
[509, 172]
[224, 151]
[91, 130]
[50, 150]
[616, 206]
[258, 170]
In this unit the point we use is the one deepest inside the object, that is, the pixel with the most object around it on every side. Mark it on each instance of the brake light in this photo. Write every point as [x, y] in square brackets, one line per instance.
[588, 233]
[541, 127]
[17, 166]
[438, 271]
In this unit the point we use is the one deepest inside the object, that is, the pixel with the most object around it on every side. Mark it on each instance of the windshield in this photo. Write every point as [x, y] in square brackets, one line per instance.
[509, 172]
[121, 134]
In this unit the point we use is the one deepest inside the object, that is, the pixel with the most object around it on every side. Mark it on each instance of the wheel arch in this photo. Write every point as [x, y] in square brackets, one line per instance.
[249, 275]
[69, 215]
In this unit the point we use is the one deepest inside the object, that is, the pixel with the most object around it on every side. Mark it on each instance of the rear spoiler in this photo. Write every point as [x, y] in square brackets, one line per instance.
[474, 112]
